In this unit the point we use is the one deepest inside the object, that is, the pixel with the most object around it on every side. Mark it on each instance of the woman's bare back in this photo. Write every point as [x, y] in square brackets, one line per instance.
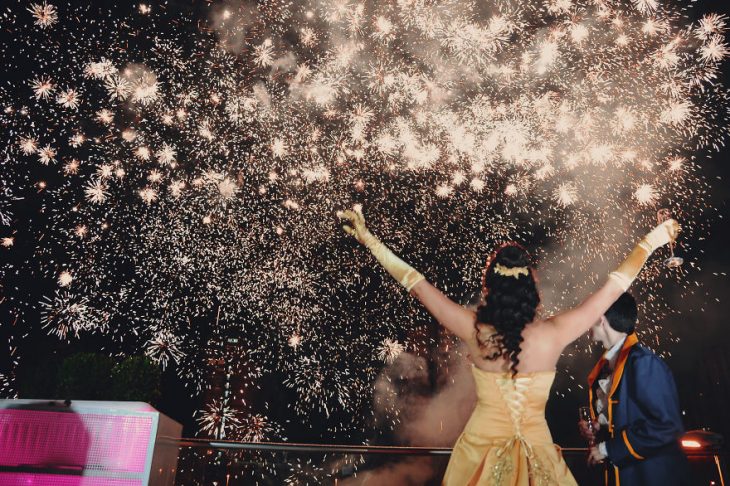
[540, 350]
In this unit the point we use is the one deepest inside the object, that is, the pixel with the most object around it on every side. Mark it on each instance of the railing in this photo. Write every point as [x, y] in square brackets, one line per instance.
[229, 463]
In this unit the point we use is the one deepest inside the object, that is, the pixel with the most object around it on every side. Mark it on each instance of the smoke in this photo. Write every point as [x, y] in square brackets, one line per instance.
[262, 96]
[423, 418]
[439, 419]
[232, 21]
[408, 472]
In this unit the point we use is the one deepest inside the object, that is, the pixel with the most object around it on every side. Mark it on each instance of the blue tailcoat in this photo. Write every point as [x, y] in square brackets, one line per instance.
[645, 423]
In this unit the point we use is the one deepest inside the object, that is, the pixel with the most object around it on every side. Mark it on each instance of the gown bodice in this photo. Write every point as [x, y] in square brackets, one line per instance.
[506, 441]
[511, 406]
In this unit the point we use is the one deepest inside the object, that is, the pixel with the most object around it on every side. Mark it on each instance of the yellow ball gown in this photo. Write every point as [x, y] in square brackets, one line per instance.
[507, 440]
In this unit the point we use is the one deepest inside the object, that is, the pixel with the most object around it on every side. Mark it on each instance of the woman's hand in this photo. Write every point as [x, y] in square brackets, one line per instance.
[451, 315]
[406, 275]
[357, 227]
[662, 234]
[573, 323]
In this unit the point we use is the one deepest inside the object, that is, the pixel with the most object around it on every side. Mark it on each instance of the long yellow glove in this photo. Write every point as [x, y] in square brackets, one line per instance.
[406, 275]
[625, 274]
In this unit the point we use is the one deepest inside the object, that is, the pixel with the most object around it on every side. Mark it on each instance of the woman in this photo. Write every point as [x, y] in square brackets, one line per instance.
[514, 354]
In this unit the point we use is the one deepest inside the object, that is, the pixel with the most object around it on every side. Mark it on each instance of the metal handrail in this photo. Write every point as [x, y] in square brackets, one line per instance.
[362, 449]
[220, 447]
[315, 448]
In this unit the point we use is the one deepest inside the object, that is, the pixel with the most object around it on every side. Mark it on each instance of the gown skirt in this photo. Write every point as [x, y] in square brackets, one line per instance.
[506, 441]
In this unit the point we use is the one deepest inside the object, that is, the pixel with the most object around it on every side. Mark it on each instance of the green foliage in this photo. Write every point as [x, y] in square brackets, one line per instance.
[85, 376]
[91, 376]
[136, 379]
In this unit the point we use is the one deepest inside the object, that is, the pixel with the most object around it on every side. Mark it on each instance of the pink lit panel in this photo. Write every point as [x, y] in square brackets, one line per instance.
[28, 479]
[112, 443]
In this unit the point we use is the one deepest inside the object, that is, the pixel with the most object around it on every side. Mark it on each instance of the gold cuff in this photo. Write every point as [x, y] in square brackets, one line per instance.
[625, 274]
[411, 278]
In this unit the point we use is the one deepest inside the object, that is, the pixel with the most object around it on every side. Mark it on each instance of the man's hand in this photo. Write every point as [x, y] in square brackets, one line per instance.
[586, 432]
[595, 456]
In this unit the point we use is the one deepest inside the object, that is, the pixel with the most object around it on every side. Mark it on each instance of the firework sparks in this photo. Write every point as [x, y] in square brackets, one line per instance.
[715, 50]
[45, 14]
[65, 278]
[42, 87]
[68, 315]
[212, 160]
[69, 99]
[258, 428]
[389, 350]
[218, 419]
[96, 192]
[118, 88]
[28, 145]
[163, 348]
[47, 154]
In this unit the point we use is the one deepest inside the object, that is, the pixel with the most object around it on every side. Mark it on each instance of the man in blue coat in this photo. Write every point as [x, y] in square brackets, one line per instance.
[637, 423]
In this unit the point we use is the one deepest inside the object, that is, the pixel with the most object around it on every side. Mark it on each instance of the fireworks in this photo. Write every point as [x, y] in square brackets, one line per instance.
[317, 386]
[218, 419]
[28, 145]
[69, 99]
[389, 350]
[188, 177]
[164, 347]
[64, 315]
[42, 88]
[117, 87]
[714, 50]
[96, 192]
[258, 428]
[295, 340]
[45, 14]
[46, 155]
[65, 278]
[645, 194]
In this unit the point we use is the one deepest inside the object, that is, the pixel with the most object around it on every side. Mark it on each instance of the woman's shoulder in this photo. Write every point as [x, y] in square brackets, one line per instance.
[484, 330]
[539, 331]
[484, 339]
[540, 325]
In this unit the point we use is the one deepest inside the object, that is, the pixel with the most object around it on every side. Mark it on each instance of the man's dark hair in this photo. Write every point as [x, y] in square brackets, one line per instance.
[622, 315]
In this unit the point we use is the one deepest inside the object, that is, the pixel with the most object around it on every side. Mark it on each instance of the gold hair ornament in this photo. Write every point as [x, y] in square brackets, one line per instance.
[510, 271]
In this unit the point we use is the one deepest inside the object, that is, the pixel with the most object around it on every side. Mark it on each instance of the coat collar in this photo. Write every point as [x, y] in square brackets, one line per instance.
[623, 354]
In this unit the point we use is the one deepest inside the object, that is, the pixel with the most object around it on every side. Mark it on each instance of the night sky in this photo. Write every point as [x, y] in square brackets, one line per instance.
[691, 336]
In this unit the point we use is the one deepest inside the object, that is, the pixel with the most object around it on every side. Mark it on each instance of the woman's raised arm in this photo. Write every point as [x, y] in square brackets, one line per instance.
[448, 313]
[456, 318]
[571, 324]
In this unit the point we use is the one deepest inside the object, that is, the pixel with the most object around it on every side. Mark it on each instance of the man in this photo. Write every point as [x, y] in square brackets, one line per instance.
[634, 406]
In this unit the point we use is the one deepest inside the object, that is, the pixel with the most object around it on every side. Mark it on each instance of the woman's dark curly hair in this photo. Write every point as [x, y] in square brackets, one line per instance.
[510, 302]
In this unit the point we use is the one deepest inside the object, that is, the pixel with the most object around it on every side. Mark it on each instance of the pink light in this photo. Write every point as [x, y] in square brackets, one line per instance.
[35, 479]
[74, 441]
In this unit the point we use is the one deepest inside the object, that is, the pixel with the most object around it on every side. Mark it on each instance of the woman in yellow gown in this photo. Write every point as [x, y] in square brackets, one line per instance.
[514, 353]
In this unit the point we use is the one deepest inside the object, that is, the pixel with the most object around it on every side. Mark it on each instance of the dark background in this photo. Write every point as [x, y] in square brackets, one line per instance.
[700, 357]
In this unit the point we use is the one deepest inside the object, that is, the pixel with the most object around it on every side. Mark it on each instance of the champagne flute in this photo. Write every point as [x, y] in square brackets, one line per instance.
[673, 261]
[584, 414]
